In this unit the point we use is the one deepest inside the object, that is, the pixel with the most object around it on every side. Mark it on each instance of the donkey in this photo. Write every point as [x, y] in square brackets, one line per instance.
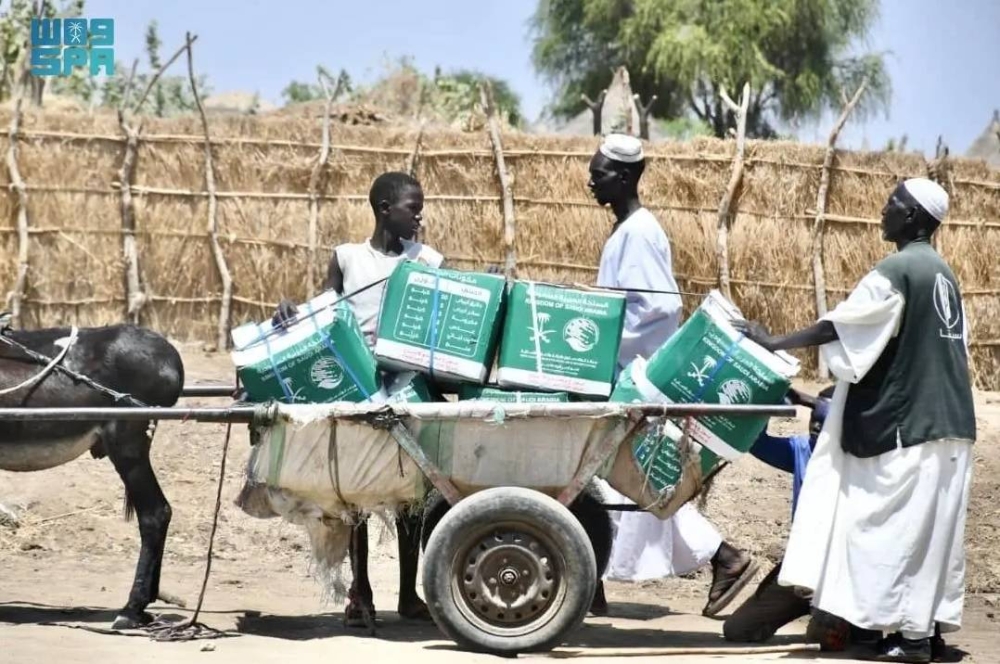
[128, 360]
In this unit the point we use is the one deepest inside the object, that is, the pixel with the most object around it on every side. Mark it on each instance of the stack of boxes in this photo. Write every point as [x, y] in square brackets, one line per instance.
[482, 338]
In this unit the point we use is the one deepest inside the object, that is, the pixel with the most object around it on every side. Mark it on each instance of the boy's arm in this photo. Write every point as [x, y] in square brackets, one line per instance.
[334, 275]
[287, 310]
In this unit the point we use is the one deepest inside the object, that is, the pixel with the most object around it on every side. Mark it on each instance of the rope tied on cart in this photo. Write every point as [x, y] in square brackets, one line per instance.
[435, 304]
[685, 441]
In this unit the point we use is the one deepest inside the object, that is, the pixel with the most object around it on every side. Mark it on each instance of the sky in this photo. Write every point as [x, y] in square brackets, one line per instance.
[942, 56]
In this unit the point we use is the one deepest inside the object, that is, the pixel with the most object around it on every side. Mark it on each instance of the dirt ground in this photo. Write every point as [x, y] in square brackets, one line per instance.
[72, 558]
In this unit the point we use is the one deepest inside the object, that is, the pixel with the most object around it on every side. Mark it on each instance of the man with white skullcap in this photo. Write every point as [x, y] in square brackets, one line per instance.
[637, 256]
[878, 535]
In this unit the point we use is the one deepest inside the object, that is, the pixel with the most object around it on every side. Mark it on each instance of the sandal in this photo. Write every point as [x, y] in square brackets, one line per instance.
[726, 588]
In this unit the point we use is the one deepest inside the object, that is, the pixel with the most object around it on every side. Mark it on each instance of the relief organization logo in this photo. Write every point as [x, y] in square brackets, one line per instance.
[948, 309]
[581, 334]
[326, 374]
[735, 392]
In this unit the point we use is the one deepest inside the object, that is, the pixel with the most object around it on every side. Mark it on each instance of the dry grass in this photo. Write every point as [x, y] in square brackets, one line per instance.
[560, 230]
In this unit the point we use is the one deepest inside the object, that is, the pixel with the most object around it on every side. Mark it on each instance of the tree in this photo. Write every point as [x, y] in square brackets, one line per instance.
[153, 44]
[406, 92]
[796, 54]
[449, 97]
[297, 92]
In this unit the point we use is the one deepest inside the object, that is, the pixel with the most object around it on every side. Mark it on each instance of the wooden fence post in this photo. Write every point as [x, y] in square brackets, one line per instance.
[819, 223]
[16, 296]
[506, 190]
[727, 210]
[225, 308]
[939, 170]
[134, 297]
[314, 185]
[414, 159]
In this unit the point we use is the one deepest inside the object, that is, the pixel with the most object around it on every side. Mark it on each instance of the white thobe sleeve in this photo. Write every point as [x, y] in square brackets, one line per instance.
[865, 322]
[646, 266]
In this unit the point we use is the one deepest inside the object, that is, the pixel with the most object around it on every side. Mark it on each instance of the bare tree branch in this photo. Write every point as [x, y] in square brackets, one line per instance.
[128, 87]
[159, 73]
[222, 331]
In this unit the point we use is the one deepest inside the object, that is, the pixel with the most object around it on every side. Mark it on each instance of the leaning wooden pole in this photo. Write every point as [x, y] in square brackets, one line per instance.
[726, 206]
[315, 178]
[226, 306]
[819, 223]
[939, 170]
[506, 190]
[135, 298]
[16, 296]
[414, 159]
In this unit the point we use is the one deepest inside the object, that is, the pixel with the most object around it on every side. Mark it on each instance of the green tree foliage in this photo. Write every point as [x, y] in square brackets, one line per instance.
[458, 92]
[405, 92]
[298, 92]
[797, 55]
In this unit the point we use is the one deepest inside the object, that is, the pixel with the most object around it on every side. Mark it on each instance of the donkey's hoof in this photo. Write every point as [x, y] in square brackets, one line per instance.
[132, 620]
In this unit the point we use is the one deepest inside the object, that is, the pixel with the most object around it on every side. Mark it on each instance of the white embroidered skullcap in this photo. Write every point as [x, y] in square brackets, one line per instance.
[622, 147]
[931, 196]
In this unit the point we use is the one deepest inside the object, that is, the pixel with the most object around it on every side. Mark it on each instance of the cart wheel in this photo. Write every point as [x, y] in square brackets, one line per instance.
[588, 508]
[509, 570]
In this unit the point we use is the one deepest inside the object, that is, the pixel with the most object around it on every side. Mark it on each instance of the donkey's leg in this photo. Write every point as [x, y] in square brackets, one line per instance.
[127, 444]
[408, 539]
[360, 606]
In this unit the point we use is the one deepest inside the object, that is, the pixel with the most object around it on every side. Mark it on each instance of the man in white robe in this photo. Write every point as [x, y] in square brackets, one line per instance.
[878, 535]
[637, 257]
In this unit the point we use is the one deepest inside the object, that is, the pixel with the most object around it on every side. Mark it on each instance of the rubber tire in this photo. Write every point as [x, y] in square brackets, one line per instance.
[573, 555]
[588, 508]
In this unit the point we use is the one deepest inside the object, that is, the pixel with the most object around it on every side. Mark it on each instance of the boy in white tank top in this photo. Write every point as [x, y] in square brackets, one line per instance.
[397, 201]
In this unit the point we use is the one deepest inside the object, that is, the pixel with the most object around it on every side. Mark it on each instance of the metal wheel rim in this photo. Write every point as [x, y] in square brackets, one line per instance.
[491, 588]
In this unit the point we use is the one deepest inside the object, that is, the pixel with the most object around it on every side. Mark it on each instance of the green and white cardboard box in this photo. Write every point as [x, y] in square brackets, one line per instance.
[708, 361]
[451, 316]
[560, 339]
[656, 449]
[478, 393]
[321, 358]
[407, 387]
